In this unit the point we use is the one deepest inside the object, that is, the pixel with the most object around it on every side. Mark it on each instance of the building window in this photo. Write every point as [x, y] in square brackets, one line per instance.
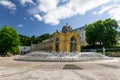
[57, 44]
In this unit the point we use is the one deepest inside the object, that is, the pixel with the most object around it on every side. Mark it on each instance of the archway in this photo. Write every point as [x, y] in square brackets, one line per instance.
[57, 44]
[73, 44]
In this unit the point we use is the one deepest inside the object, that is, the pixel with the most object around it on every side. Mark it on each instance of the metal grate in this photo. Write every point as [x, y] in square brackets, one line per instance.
[71, 66]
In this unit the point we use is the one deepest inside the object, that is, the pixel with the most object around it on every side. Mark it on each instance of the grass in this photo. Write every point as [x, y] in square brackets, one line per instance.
[111, 54]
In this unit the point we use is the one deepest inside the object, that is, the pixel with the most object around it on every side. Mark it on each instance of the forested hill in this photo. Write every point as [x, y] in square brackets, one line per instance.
[26, 41]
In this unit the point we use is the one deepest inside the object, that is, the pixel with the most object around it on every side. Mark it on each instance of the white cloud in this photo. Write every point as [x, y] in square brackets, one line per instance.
[8, 4]
[24, 18]
[47, 5]
[38, 17]
[44, 6]
[115, 13]
[112, 9]
[23, 2]
[53, 11]
[20, 25]
[104, 9]
[116, 1]
[31, 18]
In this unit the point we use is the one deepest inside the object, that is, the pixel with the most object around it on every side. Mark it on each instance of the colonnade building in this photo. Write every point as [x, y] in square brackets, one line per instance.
[65, 41]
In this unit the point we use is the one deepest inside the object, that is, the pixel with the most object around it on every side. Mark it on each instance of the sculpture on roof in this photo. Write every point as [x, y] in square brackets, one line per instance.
[66, 28]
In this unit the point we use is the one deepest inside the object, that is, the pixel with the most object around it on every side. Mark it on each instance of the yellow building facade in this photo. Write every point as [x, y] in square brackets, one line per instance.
[65, 41]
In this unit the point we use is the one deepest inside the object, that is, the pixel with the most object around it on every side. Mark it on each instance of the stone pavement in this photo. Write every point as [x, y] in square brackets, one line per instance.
[92, 70]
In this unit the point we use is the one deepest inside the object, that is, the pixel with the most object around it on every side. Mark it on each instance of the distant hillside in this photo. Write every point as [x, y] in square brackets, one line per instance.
[26, 41]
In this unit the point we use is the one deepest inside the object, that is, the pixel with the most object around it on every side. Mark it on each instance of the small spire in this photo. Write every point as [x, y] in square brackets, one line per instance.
[66, 24]
[56, 30]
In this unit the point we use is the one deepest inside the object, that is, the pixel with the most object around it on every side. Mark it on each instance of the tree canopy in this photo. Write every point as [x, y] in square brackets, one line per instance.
[40, 38]
[9, 40]
[102, 32]
[26, 41]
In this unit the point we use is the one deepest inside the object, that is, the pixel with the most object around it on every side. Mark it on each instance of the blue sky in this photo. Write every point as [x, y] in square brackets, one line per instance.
[36, 17]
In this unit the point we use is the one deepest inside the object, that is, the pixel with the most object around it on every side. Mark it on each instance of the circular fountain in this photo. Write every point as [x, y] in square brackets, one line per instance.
[62, 57]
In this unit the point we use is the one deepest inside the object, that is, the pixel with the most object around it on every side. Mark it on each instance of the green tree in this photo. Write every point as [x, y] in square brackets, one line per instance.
[102, 32]
[33, 40]
[99, 31]
[24, 40]
[110, 33]
[40, 38]
[9, 40]
[90, 34]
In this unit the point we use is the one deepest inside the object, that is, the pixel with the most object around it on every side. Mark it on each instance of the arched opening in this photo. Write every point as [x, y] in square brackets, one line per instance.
[73, 44]
[57, 44]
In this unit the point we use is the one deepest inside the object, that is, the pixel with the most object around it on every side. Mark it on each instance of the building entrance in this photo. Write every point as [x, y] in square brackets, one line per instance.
[73, 46]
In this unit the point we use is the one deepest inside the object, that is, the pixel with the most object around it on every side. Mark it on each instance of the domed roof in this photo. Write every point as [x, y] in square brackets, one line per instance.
[66, 28]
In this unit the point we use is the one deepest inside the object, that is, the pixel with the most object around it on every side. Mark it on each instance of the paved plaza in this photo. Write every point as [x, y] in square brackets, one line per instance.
[11, 69]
